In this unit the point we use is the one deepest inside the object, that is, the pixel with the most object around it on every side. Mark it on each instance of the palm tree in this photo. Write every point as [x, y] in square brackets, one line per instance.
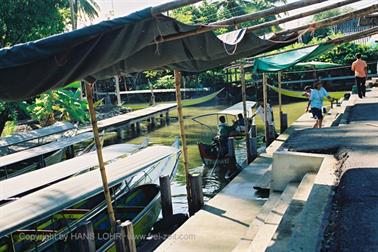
[84, 10]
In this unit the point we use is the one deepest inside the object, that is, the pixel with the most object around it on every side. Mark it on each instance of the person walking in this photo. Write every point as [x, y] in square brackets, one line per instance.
[359, 67]
[316, 102]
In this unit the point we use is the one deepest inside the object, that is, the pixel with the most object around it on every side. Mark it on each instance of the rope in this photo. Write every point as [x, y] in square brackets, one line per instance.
[226, 50]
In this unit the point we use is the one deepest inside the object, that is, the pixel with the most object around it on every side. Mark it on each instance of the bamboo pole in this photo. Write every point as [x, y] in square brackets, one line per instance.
[345, 39]
[265, 98]
[231, 22]
[177, 75]
[171, 6]
[245, 114]
[108, 197]
[333, 20]
[279, 79]
[299, 15]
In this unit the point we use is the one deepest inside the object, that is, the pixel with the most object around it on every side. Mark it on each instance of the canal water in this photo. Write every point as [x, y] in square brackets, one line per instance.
[213, 178]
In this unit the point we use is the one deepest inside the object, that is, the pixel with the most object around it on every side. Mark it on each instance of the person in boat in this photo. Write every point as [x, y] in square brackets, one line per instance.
[316, 102]
[270, 118]
[240, 123]
[224, 131]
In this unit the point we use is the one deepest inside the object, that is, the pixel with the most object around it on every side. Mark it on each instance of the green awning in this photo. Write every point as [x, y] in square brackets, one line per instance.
[286, 60]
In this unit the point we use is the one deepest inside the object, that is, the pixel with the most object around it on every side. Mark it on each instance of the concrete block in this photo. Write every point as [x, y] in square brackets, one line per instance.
[292, 166]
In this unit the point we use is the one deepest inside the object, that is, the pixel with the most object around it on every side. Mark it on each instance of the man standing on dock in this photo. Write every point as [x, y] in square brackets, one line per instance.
[359, 67]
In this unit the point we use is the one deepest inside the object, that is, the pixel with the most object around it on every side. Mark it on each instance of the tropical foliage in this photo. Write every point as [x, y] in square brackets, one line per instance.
[59, 105]
[82, 10]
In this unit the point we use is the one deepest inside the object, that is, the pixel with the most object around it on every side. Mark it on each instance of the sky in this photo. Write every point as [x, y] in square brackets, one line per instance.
[118, 8]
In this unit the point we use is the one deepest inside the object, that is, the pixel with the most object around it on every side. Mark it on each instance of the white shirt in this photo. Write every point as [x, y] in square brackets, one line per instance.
[269, 118]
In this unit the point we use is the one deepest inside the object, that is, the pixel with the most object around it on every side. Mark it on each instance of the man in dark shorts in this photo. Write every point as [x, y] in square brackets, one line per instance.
[359, 67]
[316, 102]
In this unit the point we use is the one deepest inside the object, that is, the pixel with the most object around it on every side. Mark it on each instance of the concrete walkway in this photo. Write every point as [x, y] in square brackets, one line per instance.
[226, 218]
[354, 215]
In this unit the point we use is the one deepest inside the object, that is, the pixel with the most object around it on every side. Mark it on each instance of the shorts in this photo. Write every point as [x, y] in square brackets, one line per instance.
[317, 113]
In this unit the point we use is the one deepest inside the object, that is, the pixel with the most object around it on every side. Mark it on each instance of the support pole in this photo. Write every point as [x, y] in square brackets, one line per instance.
[119, 102]
[92, 112]
[265, 98]
[125, 238]
[182, 132]
[279, 79]
[166, 197]
[196, 192]
[85, 238]
[245, 114]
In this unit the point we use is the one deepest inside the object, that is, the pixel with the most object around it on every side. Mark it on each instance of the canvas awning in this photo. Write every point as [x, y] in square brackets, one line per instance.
[288, 59]
[123, 45]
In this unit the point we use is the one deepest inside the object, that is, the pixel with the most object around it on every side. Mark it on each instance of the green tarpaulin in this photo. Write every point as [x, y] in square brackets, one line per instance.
[288, 59]
[124, 45]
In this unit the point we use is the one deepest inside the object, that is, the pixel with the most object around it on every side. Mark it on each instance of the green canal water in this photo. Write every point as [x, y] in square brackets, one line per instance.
[213, 179]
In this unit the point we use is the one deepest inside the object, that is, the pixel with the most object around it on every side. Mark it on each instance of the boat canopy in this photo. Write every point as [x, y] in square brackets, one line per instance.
[238, 109]
[57, 197]
[26, 182]
[234, 110]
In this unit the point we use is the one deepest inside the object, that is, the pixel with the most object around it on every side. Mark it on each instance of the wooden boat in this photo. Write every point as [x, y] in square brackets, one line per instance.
[31, 164]
[30, 159]
[35, 180]
[41, 221]
[213, 154]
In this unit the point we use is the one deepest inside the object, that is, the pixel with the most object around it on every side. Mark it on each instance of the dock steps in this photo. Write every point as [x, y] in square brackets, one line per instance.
[273, 219]
[280, 239]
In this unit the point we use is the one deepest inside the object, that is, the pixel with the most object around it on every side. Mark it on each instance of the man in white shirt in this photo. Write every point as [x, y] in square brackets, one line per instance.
[269, 116]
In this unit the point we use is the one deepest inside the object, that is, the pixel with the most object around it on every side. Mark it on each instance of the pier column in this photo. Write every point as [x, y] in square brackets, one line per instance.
[162, 121]
[231, 148]
[137, 125]
[167, 119]
[196, 191]
[166, 197]
[153, 122]
[283, 123]
[125, 238]
[70, 152]
[83, 238]
[253, 141]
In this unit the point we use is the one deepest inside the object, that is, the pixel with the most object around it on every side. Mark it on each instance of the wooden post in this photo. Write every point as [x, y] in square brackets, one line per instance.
[284, 123]
[162, 120]
[137, 124]
[119, 101]
[197, 194]
[152, 101]
[231, 147]
[70, 152]
[245, 114]
[92, 112]
[41, 161]
[266, 124]
[125, 239]
[167, 119]
[83, 238]
[182, 132]
[253, 140]
[152, 121]
[279, 79]
[166, 198]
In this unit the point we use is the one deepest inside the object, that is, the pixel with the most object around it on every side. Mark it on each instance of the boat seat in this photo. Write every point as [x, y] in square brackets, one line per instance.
[75, 211]
[129, 208]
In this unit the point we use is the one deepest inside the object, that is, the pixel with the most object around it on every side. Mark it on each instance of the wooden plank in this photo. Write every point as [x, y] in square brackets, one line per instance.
[43, 149]
[35, 134]
[133, 116]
